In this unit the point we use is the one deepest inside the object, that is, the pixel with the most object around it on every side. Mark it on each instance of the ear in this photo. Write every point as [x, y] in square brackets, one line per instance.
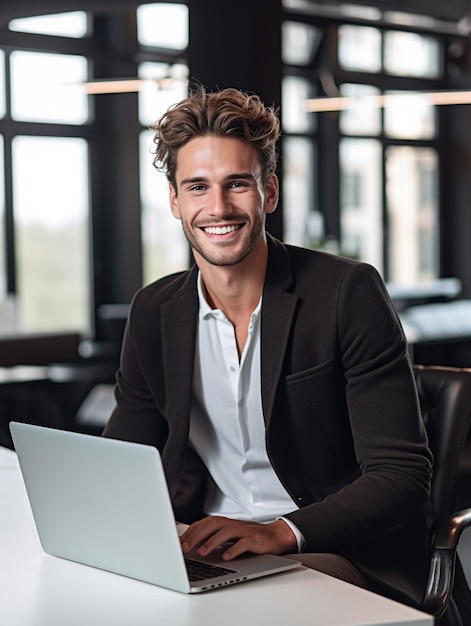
[271, 194]
[174, 201]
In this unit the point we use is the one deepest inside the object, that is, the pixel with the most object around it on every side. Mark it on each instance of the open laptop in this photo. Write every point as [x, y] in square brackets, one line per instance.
[105, 503]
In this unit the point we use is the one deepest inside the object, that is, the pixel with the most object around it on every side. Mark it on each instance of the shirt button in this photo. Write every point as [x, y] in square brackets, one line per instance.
[232, 368]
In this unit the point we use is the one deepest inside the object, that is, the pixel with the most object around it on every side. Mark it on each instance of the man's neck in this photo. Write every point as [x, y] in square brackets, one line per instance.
[235, 290]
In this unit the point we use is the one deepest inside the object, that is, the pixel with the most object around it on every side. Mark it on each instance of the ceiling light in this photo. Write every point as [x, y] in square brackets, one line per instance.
[126, 85]
[339, 103]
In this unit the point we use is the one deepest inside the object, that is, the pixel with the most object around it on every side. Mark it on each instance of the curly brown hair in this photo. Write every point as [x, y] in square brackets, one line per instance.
[228, 112]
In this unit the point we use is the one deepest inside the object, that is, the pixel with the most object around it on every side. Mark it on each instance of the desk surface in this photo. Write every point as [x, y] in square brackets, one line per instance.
[40, 590]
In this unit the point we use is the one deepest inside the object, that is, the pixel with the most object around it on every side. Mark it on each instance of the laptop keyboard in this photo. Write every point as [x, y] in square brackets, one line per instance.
[201, 571]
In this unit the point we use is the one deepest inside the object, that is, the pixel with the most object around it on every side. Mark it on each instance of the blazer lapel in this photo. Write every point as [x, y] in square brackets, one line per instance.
[179, 321]
[278, 308]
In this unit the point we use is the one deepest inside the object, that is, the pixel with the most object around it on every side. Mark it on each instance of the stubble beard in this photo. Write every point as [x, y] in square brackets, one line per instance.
[224, 256]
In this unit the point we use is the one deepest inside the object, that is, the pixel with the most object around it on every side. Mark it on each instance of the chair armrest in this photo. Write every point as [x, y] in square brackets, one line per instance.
[448, 534]
[442, 566]
[440, 582]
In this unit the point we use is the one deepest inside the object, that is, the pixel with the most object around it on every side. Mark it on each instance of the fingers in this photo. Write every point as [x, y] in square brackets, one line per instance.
[207, 534]
[211, 532]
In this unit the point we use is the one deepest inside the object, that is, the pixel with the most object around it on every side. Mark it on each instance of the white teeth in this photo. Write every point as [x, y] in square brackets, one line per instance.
[220, 230]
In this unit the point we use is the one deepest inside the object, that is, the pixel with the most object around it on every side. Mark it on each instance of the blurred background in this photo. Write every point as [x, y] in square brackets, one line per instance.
[375, 164]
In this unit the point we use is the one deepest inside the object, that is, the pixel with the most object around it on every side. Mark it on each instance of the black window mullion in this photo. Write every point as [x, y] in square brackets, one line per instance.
[8, 178]
[9, 225]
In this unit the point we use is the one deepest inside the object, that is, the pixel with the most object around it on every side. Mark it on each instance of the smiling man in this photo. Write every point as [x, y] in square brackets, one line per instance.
[274, 380]
[220, 188]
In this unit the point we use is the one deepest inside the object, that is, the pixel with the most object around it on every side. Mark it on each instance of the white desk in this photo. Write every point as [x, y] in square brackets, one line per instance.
[40, 590]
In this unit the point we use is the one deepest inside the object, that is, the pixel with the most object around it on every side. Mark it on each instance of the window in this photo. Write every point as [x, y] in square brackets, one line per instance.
[360, 183]
[379, 193]
[411, 54]
[360, 48]
[406, 250]
[405, 54]
[3, 268]
[299, 43]
[294, 116]
[55, 204]
[3, 103]
[164, 246]
[163, 25]
[164, 85]
[412, 200]
[51, 232]
[365, 117]
[303, 224]
[409, 116]
[49, 207]
[71, 24]
[46, 87]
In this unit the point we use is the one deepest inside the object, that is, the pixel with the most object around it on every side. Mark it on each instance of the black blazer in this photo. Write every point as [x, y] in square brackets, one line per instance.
[343, 426]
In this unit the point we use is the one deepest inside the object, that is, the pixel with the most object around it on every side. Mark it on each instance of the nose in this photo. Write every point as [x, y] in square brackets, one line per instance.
[219, 204]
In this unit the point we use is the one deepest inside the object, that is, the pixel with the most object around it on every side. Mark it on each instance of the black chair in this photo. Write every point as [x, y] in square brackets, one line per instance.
[445, 400]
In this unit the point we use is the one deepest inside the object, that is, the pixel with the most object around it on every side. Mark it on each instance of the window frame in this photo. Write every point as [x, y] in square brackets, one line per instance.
[115, 254]
[328, 135]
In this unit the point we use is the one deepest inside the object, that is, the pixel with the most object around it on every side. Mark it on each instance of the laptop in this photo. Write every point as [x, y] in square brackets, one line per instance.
[105, 503]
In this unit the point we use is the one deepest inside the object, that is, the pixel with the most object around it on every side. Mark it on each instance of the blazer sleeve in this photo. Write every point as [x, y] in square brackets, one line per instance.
[136, 416]
[391, 483]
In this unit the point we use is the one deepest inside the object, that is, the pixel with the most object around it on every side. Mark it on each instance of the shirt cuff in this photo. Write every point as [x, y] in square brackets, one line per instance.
[298, 534]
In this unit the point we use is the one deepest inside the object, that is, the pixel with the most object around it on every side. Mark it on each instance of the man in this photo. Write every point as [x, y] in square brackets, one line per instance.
[274, 380]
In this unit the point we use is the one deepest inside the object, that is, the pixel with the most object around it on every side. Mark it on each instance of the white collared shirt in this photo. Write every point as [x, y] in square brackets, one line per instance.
[227, 428]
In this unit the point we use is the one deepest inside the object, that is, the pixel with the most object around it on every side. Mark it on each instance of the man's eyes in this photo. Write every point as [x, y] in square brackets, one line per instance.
[235, 184]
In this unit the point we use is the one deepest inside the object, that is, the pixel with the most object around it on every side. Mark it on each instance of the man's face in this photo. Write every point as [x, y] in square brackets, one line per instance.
[220, 198]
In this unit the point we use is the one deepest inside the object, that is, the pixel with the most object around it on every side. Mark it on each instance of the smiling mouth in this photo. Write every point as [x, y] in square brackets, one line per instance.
[221, 230]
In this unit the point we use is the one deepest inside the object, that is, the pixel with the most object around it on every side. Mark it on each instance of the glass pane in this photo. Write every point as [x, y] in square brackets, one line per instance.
[73, 24]
[167, 84]
[299, 43]
[163, 25]
[360, 48]
[410, 54]
[3, 267]
[51, 213]
[303, 224]
[164, 246]
[294, 92]
[47, 87]
[412, 199]
[409, 116]
[3, 103]
[361, 207]
[365, 117]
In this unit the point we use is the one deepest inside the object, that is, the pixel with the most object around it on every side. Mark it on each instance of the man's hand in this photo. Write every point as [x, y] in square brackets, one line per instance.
[210, 532]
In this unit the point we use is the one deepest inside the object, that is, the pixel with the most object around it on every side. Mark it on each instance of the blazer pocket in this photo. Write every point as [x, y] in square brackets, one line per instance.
[310, 372]
[315, 401]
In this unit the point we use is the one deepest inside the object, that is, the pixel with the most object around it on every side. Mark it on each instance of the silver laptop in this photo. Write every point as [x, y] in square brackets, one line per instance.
[105, 503]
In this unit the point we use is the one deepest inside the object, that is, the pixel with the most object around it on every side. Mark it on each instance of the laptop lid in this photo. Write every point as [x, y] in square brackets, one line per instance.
[105, 503]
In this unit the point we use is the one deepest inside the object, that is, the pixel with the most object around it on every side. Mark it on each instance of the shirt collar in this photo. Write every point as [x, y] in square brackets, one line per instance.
[205, 311]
